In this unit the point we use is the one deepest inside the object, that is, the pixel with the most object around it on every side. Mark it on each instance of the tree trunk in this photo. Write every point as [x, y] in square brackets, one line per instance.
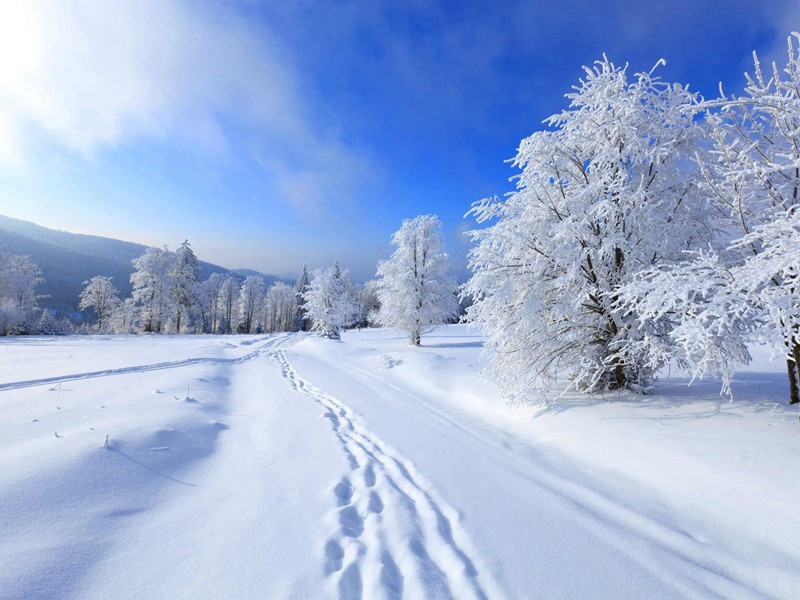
[794, 396]
[414, 338]
[793, 366]
[619, 373]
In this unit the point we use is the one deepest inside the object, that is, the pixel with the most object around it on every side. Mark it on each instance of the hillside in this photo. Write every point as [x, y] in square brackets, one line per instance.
[68, 259]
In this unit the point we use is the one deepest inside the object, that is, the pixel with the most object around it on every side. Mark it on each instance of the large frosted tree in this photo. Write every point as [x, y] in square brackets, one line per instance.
[604, 192]
[745, 287]
[414, 290]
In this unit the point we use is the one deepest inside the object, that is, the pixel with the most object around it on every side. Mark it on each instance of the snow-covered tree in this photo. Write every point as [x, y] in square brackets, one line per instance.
[19, 276]
[604, 193]
[414, 290]
[151, 288]
[366, 304]
[745, 286]
[228, 294]
[183, 282]
[47, 324]
[251, 296]
[207, 295]
[100, 295]
[278, 311]
[299, 321]
[125, 317]
[326, 302]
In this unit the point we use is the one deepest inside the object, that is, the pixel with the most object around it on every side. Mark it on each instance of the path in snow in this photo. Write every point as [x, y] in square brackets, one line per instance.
[388, 527]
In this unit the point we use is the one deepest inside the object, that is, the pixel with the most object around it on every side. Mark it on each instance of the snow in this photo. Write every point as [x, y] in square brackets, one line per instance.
[289, 466]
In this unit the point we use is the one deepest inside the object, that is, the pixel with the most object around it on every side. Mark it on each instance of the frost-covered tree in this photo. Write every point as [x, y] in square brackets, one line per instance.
[279, 308]
[755, 180]
[251, 296]
[183, 281]
[125, 317]
[47, 324]
[207, 295]
[229, 295]
[744, 287]
[151, 288]
[326, 302]
[100, 295]
[414, 289]
[19, 276]
[299, 321]
[366, 304]
[604, 193]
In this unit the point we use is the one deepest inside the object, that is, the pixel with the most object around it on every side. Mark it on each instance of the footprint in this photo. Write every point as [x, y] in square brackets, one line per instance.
[391, 577]
[352, 523]
[375, 503]
[350, 587]
[333, 557]
[369, 476]
[344, 492]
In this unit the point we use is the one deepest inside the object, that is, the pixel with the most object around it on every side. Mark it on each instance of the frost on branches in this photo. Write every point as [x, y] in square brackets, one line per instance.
[414, 290]
[605, 193]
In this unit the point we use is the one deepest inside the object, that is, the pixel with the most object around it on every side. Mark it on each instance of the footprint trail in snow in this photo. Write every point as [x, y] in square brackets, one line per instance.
[390, 535]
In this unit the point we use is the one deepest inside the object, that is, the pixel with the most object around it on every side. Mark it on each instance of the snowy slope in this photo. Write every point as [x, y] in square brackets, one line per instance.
[293, 467]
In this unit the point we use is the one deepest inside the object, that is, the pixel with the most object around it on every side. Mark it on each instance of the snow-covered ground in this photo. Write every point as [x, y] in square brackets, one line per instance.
[293, 467]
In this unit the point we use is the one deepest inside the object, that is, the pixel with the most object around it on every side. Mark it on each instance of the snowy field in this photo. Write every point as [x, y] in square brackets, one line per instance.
[294, 467]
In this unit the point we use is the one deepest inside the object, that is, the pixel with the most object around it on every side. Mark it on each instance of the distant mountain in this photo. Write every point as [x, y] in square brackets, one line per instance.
[270, 279]
[68, 259]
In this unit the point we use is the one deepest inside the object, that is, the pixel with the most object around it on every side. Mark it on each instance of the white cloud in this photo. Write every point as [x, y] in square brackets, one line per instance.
[92, 74]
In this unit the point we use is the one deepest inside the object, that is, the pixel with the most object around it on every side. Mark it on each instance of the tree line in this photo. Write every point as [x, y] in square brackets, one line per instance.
[168, 297]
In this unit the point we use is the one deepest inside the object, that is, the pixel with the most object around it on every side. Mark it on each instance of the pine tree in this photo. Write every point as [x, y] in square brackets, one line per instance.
[414, 290]
[299, 321]
[183, 281]
[326, 302]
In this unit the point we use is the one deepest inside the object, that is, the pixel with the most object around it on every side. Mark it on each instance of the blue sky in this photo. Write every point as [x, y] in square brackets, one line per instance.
[277, 133]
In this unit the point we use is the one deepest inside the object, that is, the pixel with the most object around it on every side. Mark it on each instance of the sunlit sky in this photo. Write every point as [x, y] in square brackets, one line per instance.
[273, 134]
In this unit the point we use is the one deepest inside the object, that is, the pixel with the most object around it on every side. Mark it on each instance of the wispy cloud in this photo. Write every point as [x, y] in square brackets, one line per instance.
[87, 75]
